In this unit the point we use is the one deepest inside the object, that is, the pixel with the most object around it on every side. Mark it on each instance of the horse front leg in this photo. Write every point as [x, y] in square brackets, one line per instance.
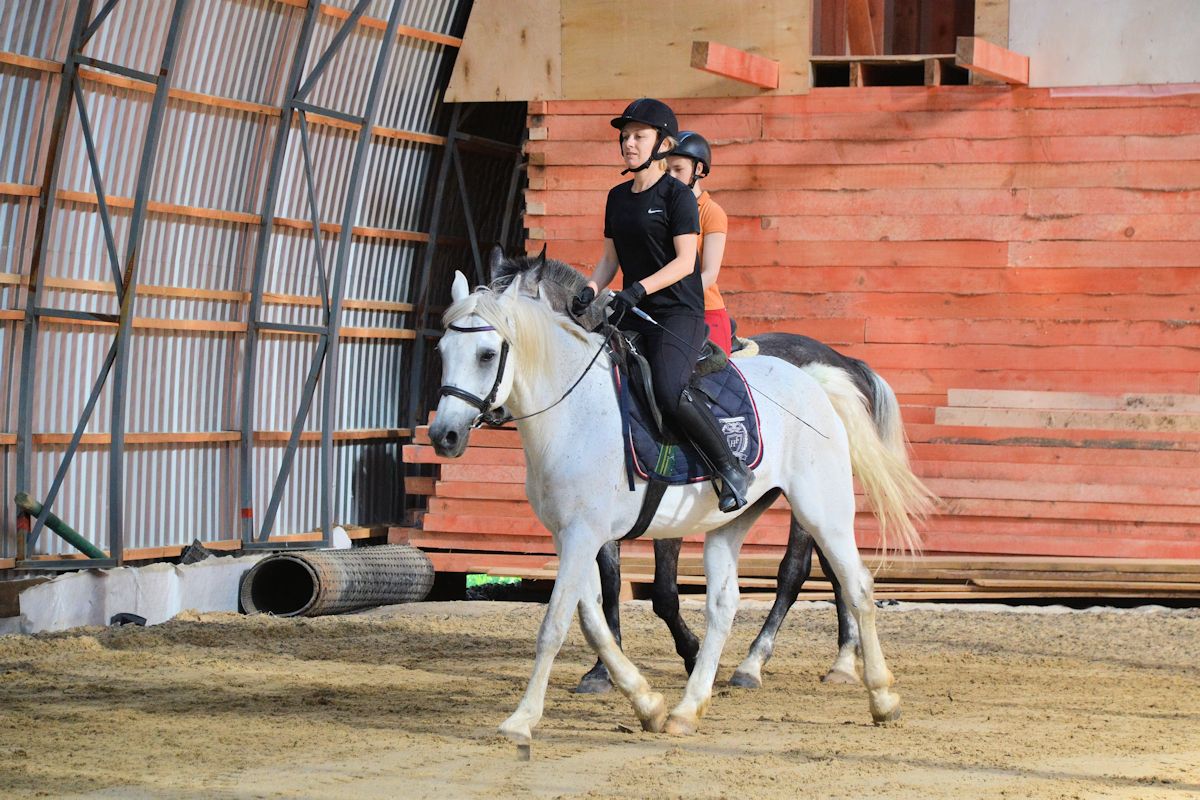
[577, 547]
[650, 707]
[597, 679]
[721, 549]
[845, 666]
[666, 600]
[794, 570]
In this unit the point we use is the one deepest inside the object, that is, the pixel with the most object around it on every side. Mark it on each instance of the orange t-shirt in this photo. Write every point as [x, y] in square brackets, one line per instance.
[712, 220]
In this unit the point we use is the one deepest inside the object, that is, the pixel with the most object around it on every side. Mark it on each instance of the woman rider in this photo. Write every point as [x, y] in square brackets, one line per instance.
[690, 162]
[650, 230]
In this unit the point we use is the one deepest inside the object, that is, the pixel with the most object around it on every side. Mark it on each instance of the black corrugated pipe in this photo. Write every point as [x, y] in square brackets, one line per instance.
[309, 584]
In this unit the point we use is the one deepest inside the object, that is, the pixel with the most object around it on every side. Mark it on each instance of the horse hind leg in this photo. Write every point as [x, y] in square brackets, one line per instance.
[845, 666]
[857, 591]
[666, 600]
[597, 680]
[794, 570]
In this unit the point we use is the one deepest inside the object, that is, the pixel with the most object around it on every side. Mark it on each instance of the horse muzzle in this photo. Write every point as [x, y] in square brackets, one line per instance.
[449, 441]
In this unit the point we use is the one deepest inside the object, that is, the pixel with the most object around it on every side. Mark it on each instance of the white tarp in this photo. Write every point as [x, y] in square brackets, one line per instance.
[157, 592]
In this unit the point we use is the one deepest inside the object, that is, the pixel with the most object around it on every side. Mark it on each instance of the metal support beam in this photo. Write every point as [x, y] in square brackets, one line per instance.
[116, 361]
[469, 218]
[345, 242]
[324, 360]
[33, 295]
[116, 469]
[416, 402]
[263, 246]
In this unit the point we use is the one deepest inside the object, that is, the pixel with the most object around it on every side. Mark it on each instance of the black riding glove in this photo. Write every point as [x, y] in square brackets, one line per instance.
[581, 301]
[624, 300]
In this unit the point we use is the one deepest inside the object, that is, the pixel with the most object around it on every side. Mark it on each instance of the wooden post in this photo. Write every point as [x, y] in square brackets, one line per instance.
[729, 62]
[985, 58]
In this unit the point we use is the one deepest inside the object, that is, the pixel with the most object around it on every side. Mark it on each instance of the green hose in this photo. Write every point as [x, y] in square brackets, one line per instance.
[33, 508]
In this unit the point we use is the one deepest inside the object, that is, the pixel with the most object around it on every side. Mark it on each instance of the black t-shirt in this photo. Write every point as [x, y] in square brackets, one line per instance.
[642, 226]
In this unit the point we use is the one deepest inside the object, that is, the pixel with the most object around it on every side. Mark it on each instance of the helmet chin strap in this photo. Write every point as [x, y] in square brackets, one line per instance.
[654, 155]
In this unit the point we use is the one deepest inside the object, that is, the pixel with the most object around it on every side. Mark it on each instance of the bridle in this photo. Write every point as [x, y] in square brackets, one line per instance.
[495, 417]
[487, 414]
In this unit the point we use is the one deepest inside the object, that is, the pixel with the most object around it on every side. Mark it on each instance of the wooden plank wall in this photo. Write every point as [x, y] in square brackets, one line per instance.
[1022, 266]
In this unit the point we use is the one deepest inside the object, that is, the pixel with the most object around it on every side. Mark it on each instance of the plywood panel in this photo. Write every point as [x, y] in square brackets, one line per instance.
[511, 51]
[1107, 42]
[644, 49]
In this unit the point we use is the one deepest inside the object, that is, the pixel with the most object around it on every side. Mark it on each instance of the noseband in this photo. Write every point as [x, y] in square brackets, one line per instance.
[487, 415]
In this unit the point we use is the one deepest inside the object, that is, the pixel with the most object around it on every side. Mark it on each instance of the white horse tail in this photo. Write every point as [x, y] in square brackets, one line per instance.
[879, 455]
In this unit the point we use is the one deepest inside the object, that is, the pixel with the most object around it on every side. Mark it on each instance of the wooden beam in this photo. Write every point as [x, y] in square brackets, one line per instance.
[860, 28]
[738, 65]
[29, 62]
[401, 30]
[209, 437]
[984, 58]
[19, 190]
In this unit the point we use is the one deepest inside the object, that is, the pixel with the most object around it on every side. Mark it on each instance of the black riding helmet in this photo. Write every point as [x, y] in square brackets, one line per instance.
[657, 115]
[695, 147]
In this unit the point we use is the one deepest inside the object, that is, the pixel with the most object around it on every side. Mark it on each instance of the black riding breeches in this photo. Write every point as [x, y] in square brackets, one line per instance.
[672, 357]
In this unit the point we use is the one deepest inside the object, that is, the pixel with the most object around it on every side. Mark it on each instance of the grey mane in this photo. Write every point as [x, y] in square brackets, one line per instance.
[555, 281]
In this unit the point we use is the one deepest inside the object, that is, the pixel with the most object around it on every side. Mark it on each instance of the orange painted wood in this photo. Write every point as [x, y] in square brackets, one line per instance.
[481, 490]
[1032, 332]
[29, 62]
[860, 28]
[883, 98]
[980, 238]
[791, 176]
[990, 60]
[422, 454]
[738, 65]
[484, 562]
[995, 281]
[587, 136]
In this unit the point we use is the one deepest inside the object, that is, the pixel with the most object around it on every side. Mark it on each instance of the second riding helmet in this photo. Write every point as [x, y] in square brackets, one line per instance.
[695, 147]
[657, 115]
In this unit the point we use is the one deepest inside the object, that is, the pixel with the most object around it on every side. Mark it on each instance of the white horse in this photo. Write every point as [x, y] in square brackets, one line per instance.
[510, 349]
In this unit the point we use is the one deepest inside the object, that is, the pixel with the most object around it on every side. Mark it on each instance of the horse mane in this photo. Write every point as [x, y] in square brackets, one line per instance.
[558, 282]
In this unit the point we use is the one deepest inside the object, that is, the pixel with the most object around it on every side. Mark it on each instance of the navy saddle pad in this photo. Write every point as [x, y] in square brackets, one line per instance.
[726, 394]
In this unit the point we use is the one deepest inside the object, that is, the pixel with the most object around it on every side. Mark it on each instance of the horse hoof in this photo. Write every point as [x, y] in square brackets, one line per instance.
[593, 686]
[681, 726]
[841, 677]
[745, 680]
[885, 708]
[516, 732]
[654, 714]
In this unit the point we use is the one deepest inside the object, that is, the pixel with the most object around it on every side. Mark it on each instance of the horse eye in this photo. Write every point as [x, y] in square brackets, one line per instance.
[486, 356]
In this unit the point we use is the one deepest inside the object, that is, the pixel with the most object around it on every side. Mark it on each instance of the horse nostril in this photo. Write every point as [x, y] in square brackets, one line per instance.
[451, 438]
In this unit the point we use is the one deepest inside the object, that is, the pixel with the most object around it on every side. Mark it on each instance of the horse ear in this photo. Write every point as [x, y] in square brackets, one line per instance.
[495, 259]
[460, 289]
[542, 256]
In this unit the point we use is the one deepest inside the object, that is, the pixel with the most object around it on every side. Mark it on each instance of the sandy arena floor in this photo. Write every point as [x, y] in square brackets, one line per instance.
[403, 702]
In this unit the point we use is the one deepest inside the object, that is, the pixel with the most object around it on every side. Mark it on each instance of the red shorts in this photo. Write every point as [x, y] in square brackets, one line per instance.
[719, 329]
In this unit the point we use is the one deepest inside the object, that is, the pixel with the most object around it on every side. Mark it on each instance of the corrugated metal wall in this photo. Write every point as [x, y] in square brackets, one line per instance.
[213, 158]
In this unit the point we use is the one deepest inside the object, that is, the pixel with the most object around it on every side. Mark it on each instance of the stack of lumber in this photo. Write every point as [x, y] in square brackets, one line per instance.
[478, 520]
[1021, 265]
[951, 577]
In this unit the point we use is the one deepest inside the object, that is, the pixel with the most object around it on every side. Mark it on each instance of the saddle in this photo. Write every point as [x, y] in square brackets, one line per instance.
[653, 450]
[711, 360]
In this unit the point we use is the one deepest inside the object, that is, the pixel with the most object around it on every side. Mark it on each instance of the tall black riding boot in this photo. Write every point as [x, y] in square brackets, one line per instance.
[698, 424]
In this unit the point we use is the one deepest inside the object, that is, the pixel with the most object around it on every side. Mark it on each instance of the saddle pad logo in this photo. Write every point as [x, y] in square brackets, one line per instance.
[736, 434]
